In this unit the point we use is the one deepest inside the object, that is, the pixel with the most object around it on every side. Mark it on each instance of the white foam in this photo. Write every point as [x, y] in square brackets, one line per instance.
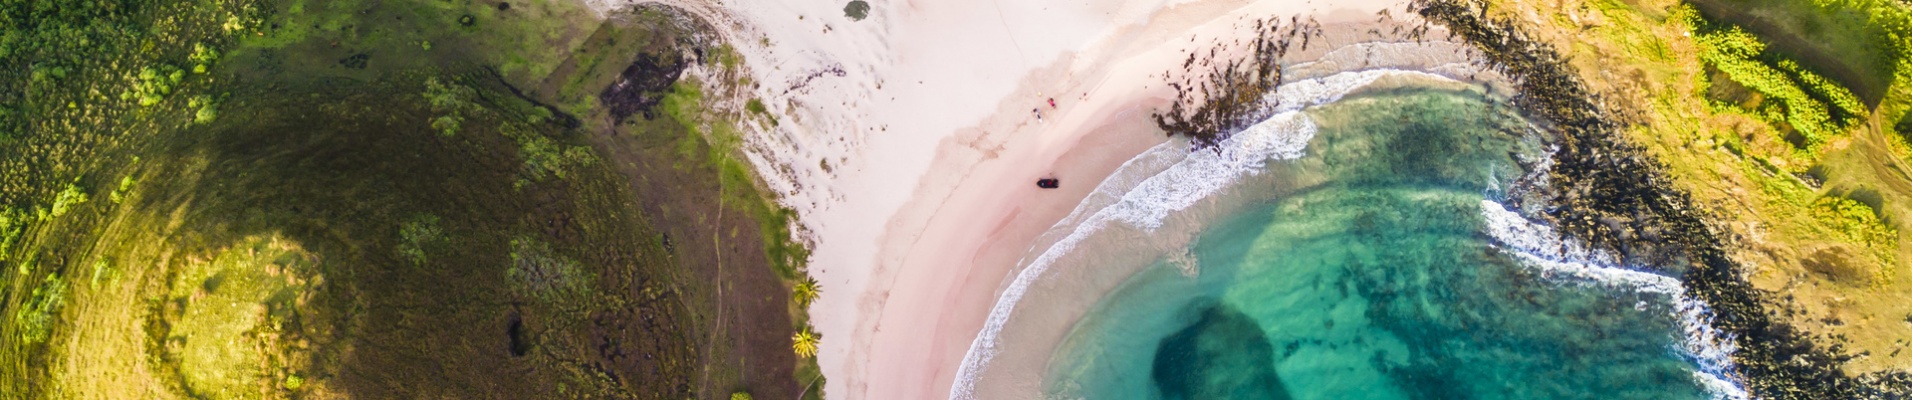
[1194, 176]
[1539, 247]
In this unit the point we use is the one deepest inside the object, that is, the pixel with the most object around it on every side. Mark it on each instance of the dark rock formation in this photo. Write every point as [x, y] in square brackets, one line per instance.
[1611, 195]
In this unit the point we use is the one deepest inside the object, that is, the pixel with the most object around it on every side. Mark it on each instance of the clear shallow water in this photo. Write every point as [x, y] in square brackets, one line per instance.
[1363, 270]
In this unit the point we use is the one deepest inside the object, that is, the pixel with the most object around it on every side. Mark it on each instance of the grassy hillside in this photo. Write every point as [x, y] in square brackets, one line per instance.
[272, 199]
[1777, 117]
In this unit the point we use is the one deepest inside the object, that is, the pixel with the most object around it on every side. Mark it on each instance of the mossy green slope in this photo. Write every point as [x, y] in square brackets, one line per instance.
[275, 199]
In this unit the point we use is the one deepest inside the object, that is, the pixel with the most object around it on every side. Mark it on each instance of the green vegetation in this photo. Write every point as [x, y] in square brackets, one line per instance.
[686, 105]
[253, 253]
[206, 110]
[740, 396]
[416, 234]
[35, 319]
[203, 56]
[545, 158]
[1800, 97]
[13, 223]
[1855, 222]
[64, 202]
[804, 343]
[103, 269]
[232, 313]
[451, 102]
[709, 112]
[153, 84]
[542, 274]
[125, 185]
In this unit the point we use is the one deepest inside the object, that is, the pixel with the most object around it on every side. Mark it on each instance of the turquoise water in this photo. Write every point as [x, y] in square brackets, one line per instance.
[1370, 277]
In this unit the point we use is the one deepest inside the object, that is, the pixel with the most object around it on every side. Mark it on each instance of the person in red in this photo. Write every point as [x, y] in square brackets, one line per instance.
[1052, 102]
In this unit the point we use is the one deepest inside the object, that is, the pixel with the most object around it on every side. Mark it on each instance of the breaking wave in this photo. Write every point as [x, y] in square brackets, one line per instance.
[1189, 177]
[1538, 246]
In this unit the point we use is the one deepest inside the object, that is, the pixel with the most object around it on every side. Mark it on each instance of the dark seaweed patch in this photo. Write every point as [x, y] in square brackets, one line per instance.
[1230, 97]
[1224, 355]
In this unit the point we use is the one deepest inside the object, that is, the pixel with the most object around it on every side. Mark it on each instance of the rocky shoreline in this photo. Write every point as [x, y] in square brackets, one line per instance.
[1612, 195]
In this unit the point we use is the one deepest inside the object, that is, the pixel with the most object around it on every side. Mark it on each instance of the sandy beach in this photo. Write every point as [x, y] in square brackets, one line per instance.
[918, 136]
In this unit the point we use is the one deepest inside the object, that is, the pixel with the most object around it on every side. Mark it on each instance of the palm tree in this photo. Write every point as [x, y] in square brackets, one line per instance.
[805, 292]
[804, 342]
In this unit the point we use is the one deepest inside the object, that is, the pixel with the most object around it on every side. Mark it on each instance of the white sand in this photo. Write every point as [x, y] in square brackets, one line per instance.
[910, 152]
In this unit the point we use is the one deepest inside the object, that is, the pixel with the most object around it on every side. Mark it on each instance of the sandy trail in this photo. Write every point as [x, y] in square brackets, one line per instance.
[912, 142]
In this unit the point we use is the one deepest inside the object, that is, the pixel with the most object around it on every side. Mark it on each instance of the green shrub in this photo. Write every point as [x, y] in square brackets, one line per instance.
[13, 223]
[804, 342]
[544, 157]
[64, 202]
[103, 269]
[805, 291]
[422, 230]
[125, 185]
[541, 273]
[153, 84]
[451, 101]
[206, 109]
[37, 317]
[203, 57]
[740, 396]
[1855, 222]
[1800, 95]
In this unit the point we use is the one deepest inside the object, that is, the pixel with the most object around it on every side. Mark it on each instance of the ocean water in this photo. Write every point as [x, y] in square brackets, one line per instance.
[1355, 248]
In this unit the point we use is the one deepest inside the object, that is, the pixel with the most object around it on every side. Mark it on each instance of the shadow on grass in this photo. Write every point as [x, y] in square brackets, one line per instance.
[339, 171]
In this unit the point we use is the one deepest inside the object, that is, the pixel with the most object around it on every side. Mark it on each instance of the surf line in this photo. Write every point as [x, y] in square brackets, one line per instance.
[1147, 204]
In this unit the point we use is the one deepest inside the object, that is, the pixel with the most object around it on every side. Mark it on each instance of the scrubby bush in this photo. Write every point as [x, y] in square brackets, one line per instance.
[415, 234]
[64, 202]
[102, 269]
[451, 102]
[1855, 222]
[543, 274]
[544, 157]
[13, 223]
[153, 84]
[41, 312]
[125, 185]
[740, 396]
[1813, 105]
[206, 109]
[203, 57]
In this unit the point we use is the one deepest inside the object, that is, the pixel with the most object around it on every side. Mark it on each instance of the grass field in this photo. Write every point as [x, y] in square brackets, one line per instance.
[274, 199]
